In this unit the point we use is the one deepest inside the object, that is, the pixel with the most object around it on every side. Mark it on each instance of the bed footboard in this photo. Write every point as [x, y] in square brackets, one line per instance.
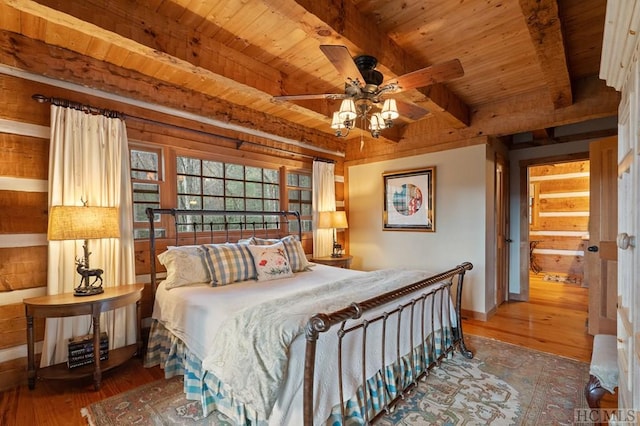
[433, 333]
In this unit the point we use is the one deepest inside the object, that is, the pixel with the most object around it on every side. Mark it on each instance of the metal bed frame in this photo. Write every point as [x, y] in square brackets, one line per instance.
[342, 321]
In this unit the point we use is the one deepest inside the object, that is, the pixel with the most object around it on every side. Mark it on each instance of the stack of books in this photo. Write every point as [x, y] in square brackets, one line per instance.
[81, 350]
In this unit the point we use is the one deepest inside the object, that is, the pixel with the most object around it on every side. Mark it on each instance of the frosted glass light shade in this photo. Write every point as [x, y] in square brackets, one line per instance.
[377, 123]
[347, 110]
[390, 110]
[336, 123]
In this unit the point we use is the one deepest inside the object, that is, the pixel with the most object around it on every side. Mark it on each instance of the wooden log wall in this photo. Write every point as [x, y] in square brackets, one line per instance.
[24, 151]
[559, 201]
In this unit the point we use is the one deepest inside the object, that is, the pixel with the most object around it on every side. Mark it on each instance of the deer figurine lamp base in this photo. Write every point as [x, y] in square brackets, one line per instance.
[87, 288]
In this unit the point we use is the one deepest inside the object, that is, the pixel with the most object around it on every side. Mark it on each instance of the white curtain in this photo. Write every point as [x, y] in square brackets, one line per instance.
[324, 199]
[89, 161]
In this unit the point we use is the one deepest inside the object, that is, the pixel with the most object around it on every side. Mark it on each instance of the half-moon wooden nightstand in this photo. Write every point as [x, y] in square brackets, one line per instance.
[68, 305]
[341, 262]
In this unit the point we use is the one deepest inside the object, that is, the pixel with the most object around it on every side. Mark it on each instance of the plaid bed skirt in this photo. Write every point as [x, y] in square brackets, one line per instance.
[172, 355]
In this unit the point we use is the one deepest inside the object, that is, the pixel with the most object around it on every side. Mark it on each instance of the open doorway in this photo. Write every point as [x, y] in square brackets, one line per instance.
[558, 223]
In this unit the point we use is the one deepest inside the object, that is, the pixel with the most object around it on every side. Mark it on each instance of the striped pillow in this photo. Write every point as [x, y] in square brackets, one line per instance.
[229, 263]
[293, 247]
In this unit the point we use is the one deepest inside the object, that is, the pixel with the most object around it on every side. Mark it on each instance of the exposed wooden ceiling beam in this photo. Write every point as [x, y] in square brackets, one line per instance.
[503, 117]
[25, 53]
[361, 32]
[161, 48]
[545, 29]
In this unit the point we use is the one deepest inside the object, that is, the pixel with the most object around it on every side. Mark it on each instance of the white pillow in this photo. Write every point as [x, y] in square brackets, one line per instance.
[271, 262]
[185, 265]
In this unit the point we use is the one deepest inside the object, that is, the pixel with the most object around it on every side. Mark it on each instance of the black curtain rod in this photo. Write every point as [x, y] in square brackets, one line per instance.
[78, 106]
[115, 114]
[324, 160]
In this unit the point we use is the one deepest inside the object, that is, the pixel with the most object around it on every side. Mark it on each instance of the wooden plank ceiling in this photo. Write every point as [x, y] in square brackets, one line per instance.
[528, 64]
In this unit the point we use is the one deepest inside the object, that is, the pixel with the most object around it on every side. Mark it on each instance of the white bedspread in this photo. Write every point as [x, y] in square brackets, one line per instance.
[196, 313]
[251, 350]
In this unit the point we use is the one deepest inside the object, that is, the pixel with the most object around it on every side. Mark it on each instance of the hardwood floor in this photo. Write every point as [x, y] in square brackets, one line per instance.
[553, 321]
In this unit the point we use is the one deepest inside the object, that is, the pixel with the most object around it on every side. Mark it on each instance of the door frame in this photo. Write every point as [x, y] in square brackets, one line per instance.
[524, 165]
[503, 239]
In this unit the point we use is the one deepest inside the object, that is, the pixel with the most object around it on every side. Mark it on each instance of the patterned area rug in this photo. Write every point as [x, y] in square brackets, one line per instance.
[502, 385]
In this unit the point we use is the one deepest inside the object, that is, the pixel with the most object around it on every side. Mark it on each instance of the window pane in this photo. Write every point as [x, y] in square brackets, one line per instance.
[294, 207]
[146, 192]
[306, 195]
[271, 205]
[271, 176]
[144, 233]
[217, 222]
[254, 190]
[271, 191]
[292, 179]
[214, 203]
[234, 204]
[213, 186]
[254, 205]
[139, 212]
[189, 202]
[234, 171]
[305, 210]
[213, 169]
[253, 174]
[234, 188]
[189, 185]
[294, 194]
[188, 166]
[305, 181]
[144, 165]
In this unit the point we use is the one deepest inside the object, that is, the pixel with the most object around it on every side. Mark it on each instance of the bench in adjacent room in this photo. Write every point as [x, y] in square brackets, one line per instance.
[603, 372]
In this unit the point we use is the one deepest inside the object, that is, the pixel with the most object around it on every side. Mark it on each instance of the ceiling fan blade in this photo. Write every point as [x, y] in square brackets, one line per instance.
[411, 110]
[330, 96]
[340, 57]
[437, 73]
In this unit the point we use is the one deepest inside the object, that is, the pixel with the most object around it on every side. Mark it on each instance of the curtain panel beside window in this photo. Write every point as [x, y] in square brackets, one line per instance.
[89, 161]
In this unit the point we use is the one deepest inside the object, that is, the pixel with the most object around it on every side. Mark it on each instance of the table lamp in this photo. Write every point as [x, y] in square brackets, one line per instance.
[84, 223]
[333, 220]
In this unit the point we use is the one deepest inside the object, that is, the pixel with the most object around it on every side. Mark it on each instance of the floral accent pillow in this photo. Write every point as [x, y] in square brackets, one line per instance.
[185, 266]
[271, 262]
[294, 249]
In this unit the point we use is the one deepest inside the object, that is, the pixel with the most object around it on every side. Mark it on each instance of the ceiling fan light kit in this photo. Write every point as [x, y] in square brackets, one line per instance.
[364, 90]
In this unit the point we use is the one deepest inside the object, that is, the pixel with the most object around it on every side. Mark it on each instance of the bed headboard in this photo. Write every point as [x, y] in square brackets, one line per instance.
[205, 226]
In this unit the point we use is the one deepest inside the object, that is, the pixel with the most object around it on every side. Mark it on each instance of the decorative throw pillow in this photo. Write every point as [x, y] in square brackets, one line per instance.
[271, 261]
[229, 263]
[294, 249]
[185, 265]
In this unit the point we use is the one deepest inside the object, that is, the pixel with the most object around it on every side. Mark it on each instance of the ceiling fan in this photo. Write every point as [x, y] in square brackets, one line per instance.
[364, 84]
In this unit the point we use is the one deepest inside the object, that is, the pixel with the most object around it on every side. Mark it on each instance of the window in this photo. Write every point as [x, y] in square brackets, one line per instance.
[145, 182]
[299, 195]
[214, 185]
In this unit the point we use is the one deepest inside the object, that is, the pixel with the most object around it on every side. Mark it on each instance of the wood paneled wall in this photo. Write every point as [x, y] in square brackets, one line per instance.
[559, 203]
[24, 152]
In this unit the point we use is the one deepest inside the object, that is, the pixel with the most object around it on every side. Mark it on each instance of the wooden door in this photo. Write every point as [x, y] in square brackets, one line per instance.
[601, 257]
[502, 230]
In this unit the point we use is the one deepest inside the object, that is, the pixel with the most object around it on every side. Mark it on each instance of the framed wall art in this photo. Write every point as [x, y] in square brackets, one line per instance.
[409, 200]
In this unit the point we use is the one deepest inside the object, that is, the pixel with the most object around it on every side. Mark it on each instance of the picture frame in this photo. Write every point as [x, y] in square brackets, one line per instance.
[409, 200]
